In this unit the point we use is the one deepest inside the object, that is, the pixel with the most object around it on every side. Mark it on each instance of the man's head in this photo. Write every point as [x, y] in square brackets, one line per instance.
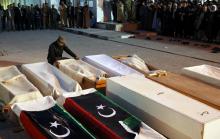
[205, 8]
[175, 6]
[61, 41]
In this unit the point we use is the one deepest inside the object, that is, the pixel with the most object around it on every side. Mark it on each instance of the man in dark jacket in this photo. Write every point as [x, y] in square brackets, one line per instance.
[56, 49]
[18, 16]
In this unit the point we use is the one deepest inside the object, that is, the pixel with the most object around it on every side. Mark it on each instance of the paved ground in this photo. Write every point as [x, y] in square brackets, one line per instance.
[32, 46]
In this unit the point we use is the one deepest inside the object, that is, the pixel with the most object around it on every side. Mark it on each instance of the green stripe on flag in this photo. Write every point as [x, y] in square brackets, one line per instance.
[132, 122]
[71, 118]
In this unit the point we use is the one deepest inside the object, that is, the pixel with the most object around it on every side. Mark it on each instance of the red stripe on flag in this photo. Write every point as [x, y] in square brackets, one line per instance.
[30, 127]
[89, 120]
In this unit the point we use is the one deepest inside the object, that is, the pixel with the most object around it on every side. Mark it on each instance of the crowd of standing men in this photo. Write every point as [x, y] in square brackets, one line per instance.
[17, 17]
[184, 19]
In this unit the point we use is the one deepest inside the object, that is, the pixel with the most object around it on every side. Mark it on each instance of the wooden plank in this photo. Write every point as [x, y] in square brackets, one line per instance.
[191, 87]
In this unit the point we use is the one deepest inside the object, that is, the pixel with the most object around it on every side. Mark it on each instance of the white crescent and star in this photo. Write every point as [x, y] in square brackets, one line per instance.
[101, 107]
[55, 124]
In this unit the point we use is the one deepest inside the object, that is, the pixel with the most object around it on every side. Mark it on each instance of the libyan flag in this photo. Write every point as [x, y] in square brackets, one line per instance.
[106, 119]
[53, 122]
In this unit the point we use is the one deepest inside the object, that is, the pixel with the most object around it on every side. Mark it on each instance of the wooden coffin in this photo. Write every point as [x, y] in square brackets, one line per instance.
[192, 87]
[205, 73]
[14, 86]
[111, 66]
[86, 75]
[169, 112]
[49, 79]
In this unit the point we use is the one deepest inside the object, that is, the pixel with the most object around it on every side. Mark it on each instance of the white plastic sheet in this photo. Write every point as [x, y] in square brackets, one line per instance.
[14, 86]
[40, 104]
[135, 62]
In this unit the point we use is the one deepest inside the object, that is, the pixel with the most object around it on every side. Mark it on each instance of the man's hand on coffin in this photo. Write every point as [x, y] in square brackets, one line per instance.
[56, 64]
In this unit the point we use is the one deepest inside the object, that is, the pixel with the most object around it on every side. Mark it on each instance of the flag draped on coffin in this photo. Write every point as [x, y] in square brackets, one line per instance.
[168, 111]
[82, 72]
[206, 73]
[111, 66]
[105, 118]
[49, 79]
[14, 86]
[44, 119]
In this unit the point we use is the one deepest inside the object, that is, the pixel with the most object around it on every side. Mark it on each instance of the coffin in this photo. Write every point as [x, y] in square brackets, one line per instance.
[104, 118]
[49, 79]
[206, 73]
[14, 86]
[169, 112]
[43, 118]
[111, 66]
[189, 88]
[86, 75]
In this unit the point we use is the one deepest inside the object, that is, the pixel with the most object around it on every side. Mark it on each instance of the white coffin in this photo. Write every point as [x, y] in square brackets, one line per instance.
[14, 86]
[111, 66]
[78, 69]
[172, 114]
[49, 79]
[206, 73]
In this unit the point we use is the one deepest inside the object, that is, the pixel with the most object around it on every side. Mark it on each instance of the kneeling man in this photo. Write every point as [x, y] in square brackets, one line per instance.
[56, 49]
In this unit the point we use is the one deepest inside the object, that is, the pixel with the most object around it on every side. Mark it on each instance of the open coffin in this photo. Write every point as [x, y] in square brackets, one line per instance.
[105, 118]
[86, 75]
[43, 118]
[14, 86]
[206, 73]
[111, 66]
[169, 112]
[49, 79]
